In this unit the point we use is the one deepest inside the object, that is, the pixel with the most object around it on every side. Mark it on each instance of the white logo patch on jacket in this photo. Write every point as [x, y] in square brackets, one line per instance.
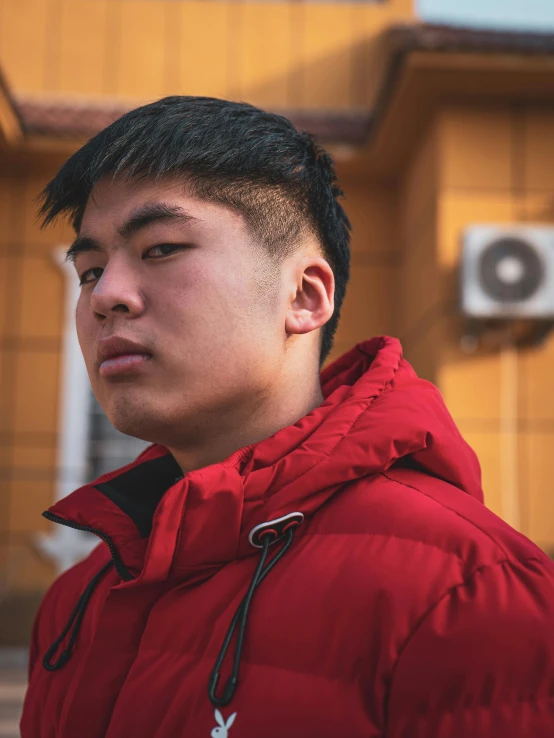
[222, 731]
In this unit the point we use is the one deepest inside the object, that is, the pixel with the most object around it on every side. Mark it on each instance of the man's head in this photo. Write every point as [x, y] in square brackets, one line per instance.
[210, 234]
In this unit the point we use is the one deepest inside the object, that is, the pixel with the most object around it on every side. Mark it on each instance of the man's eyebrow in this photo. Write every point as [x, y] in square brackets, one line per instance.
[80, 245]
[154, 212]
[142, 217]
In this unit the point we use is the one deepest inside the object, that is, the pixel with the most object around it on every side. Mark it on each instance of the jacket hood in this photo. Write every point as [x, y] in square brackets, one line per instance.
[376, 413]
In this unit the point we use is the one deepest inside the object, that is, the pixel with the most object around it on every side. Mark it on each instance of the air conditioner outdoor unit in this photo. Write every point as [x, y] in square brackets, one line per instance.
[508, 271]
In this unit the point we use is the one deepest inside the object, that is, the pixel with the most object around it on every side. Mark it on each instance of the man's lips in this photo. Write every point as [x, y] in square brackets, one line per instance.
[117, 355]
[123, 364]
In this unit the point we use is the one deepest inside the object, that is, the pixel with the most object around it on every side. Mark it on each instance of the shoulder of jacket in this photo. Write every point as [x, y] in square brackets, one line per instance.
[418, 514]
[455, 513]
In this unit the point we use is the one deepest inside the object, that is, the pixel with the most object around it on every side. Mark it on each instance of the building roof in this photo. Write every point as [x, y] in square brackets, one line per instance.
[426, 37]
[70, 119]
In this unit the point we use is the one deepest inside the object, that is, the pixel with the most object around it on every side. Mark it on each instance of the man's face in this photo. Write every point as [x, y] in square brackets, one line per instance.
[182, 279]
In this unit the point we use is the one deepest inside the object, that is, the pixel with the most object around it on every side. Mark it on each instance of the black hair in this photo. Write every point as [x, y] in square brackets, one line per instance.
[281, 180]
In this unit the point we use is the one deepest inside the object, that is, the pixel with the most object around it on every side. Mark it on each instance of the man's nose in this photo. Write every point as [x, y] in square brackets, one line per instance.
[117, 290]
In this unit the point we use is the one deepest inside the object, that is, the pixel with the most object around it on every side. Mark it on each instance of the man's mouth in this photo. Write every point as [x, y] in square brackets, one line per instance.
[120, 355]
[123, 364]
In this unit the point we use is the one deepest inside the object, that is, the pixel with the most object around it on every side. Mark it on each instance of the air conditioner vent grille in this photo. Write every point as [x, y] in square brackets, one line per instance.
[510, 270]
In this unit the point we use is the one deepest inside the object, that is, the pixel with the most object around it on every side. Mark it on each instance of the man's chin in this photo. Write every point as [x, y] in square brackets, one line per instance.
[134, 428]
[136, 419]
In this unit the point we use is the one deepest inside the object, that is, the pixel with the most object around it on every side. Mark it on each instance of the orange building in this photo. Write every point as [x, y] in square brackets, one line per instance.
[433, 130]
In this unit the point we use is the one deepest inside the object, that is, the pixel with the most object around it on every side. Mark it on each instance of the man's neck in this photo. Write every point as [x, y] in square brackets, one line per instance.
[279, 413]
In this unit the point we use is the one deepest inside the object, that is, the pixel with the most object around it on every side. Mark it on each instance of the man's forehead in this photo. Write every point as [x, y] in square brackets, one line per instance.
[117, 193]
[114, 200]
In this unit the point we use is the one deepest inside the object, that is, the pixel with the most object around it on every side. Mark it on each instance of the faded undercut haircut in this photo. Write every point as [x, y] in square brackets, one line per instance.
[281, 180]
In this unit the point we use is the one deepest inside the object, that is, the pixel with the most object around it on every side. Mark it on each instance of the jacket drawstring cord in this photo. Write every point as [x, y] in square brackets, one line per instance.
[77, 616]
[267, 537]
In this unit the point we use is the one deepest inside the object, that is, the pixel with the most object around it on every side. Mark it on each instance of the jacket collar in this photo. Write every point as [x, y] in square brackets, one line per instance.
[375, 411]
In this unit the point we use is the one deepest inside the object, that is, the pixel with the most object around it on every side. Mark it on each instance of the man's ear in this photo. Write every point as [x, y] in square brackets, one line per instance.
[312, 299]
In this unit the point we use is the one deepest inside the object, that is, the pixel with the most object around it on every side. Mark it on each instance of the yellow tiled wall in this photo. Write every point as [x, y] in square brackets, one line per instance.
[417, 298]
[284, 54]
[31, 320]
[490, 164]
[367, 308]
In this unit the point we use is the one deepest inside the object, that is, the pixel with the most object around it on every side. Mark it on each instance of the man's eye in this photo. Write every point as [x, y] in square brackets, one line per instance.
[164, 249]
[83, 278]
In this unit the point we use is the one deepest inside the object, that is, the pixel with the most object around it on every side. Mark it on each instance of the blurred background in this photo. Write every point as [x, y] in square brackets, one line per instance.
[440, 116]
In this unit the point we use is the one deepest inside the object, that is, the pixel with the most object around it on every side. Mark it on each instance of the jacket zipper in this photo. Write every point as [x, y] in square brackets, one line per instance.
[120, 567]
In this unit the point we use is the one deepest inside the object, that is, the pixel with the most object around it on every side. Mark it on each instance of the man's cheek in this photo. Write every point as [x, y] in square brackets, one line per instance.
[85, 336]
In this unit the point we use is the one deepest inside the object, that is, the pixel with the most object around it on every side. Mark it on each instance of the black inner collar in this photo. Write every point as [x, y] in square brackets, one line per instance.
[139, 490]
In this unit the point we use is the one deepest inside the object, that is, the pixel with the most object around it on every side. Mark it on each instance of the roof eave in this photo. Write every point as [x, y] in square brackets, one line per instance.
[11, 130]
[419, 81]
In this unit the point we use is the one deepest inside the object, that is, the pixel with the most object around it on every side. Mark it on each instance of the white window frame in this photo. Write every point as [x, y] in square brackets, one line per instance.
[66, 546]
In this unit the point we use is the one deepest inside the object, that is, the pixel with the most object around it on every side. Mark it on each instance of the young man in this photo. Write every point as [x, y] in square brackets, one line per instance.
[297, 554]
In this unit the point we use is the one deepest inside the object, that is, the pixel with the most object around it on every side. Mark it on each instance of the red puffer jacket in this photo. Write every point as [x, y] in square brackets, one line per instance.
[397, 604]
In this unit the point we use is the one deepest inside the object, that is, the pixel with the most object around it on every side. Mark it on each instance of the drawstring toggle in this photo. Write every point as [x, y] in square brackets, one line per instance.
[261, 536]
[275, 528]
